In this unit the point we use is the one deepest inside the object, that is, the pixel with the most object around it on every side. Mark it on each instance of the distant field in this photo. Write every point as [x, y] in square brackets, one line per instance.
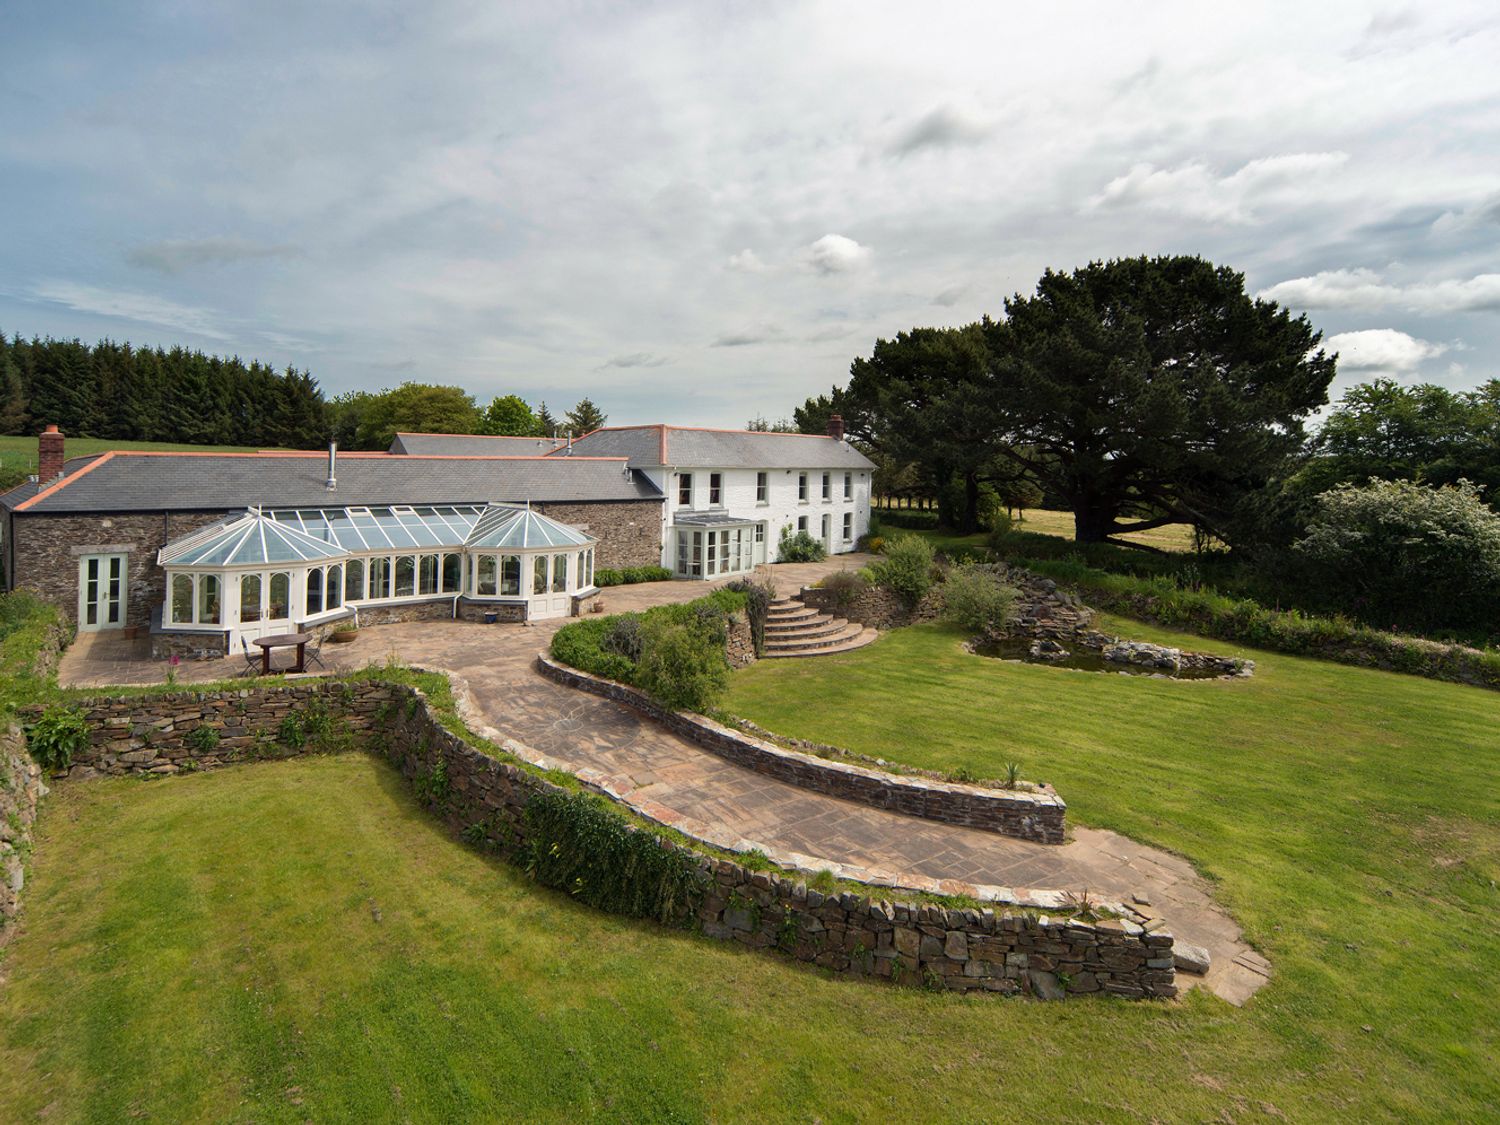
[1172, 537]
[18, 452]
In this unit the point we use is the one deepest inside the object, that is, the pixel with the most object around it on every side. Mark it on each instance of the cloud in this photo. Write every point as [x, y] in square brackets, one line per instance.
[758, 334]
[950, 296]
[634, 359]
[140, 307]
[177, 255]
[1383, 350]
[1479, 214]
[1363, 290]
[833, 253]
[947, 126]
[1195, 190]
[746, 261]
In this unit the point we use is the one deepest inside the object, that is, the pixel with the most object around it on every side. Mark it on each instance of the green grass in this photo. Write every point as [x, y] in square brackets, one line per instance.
[208, 948]
[18, 452]
[1172, 537]
[1349, 818]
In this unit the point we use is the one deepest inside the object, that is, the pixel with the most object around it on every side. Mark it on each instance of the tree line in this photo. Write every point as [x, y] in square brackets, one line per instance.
[116, 391]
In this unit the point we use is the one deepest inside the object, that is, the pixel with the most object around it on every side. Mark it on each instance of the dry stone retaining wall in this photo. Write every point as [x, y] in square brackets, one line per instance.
[21, 788]
[485, 799]
[1036, 816]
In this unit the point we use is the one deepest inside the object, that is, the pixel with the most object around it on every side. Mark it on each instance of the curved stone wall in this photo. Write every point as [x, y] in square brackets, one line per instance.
[484, 800]
[1036, 816]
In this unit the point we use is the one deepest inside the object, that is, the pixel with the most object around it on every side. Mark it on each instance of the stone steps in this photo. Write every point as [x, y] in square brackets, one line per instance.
[795, 630]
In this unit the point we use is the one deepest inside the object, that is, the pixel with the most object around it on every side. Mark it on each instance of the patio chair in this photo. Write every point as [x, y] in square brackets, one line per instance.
[313, 654]
[252, 659]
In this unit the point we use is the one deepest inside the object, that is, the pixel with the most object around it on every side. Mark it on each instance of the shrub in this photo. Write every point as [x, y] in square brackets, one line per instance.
[1396, 551]
[845, 586]
[623, 637]
[580, 645]
[203, 739]
[905, 569]
[977, 598]
[758, 598]
[57, 736]
[576, 844]
[800, 547]
[872, 543]
[682, 665]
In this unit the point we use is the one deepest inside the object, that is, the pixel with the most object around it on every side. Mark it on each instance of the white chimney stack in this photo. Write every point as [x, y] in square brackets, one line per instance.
[333, 452]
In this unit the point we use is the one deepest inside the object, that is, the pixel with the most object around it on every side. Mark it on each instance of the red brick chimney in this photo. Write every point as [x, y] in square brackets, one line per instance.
[836, 427]
[49, 455]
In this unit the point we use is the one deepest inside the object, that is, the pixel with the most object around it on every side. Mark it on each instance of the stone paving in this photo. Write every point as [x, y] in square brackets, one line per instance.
[708, 797]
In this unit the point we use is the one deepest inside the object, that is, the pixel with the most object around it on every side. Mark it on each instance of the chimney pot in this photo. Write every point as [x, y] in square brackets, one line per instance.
[836, 427]
[49, 455]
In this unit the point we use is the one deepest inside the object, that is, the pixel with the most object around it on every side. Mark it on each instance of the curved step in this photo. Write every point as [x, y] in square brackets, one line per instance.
[863, 637]
[846, 631]
[811, 632]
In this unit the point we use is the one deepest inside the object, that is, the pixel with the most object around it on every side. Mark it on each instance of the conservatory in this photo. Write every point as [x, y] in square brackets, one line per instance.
[268, 571]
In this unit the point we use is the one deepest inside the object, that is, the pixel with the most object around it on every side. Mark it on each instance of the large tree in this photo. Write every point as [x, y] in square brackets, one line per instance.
[1149, 391]
[415, 408]
[585, 418]
[508, 416]
[928, 396]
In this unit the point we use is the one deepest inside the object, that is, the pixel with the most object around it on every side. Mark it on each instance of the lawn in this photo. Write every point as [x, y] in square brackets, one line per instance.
[1348, 816]
[18, 453]
[1172, 537]
[299, 941]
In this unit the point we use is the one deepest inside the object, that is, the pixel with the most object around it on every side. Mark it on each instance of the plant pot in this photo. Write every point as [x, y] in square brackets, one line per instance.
[491, 617]
[342, 636]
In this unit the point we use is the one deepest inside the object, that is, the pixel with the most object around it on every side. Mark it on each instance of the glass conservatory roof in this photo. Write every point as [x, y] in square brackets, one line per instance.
[519, 529]
[293, 535]
[246, 541]
[383, 529]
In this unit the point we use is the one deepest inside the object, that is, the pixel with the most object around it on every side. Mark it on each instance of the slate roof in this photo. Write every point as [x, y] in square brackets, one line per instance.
[687, 447]
[472, 445]
[139, 481]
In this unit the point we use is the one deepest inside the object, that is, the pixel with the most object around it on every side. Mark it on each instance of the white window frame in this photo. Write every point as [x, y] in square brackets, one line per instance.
[762, 488]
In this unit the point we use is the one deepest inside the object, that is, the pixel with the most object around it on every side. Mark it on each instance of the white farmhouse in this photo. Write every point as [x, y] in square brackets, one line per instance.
[731, 495]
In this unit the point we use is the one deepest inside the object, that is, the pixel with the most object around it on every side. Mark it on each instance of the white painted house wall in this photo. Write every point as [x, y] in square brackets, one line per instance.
[782, 507]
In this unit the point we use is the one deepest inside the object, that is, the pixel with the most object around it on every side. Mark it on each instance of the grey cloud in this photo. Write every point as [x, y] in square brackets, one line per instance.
[758, 334]
[950, 296]
[947, 126]
[634, 359]
[177, 255]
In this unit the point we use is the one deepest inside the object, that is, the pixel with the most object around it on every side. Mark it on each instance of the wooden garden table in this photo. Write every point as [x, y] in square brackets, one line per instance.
[282, 640]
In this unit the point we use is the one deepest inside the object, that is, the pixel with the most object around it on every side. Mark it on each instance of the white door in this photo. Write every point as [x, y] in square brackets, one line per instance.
[101, 592]
[760, 544]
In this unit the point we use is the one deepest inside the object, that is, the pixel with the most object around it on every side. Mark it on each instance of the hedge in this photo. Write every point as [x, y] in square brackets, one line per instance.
[911, 519]
[630, 575]
[1210, 614]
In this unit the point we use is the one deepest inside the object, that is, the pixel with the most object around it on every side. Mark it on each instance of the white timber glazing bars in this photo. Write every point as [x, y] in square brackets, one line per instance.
[268, 571]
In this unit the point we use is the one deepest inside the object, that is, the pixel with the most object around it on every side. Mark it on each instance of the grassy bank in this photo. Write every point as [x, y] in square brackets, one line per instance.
[1347, 816]
[18, 452]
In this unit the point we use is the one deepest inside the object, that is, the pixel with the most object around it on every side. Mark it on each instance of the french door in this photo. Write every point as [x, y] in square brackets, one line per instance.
[101, 592]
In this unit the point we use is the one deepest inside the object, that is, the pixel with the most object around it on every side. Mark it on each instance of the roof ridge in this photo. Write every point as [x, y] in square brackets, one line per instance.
[63, 482]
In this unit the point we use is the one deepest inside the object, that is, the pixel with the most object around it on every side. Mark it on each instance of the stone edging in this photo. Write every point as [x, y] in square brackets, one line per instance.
[1034, 816]
[484, 799]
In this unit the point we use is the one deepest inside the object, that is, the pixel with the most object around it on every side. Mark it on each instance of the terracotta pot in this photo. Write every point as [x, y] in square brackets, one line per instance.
[342, 636]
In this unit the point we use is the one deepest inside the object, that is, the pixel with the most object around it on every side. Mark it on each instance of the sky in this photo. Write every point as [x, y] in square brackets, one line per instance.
[701, 212]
